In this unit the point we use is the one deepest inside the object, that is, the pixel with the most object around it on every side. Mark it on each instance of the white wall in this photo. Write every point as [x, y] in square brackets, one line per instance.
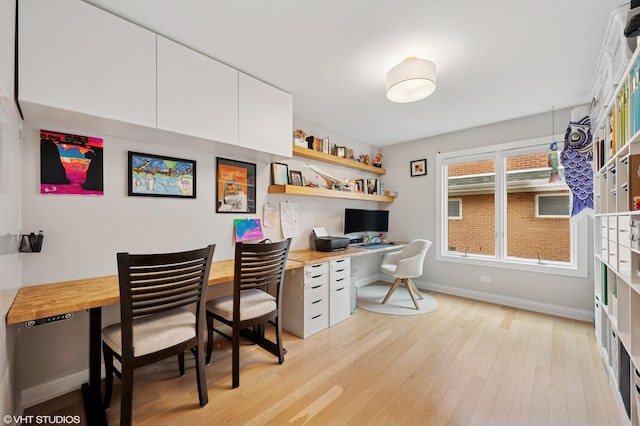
[10, 203]
[413, 214]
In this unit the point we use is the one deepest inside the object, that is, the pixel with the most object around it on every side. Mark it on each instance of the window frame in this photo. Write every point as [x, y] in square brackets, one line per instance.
[579, 230]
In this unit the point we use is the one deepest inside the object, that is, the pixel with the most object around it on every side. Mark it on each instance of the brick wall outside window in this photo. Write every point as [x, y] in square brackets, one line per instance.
[527, 235]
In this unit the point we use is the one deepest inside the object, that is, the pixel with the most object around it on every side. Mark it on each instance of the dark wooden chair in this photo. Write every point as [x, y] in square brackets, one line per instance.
[257, 267]
[159, 294]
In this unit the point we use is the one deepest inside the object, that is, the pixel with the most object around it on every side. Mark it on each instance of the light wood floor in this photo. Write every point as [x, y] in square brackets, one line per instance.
[467, 363]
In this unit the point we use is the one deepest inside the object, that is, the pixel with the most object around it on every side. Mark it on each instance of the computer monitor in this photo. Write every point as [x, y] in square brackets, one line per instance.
[359, 220]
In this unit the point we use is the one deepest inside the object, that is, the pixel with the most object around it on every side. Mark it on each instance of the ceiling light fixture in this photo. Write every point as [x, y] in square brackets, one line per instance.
[411, 80]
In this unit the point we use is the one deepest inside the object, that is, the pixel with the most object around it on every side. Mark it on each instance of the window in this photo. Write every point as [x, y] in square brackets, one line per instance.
[455, 208]
[516, 208]
[553, 205]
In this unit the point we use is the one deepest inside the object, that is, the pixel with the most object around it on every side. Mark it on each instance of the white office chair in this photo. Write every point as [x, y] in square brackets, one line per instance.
[404, 265]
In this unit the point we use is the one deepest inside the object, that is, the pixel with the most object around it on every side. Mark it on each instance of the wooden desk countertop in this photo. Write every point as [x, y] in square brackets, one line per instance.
[44, 300]
[309, 256]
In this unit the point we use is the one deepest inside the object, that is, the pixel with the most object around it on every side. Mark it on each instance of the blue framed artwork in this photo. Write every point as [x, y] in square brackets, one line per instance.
[161, 176]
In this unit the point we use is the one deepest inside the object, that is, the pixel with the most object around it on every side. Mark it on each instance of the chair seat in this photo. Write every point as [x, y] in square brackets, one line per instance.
[253, 303]
[152, 334]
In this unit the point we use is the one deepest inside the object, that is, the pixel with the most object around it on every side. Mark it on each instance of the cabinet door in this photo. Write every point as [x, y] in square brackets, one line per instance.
[197, 95]
[266, 117]
[7, 35]
[77, 57]
[340, 291]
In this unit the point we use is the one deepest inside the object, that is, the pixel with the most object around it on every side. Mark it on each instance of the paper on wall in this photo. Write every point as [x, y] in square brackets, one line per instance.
[269, 215]
[289, 219]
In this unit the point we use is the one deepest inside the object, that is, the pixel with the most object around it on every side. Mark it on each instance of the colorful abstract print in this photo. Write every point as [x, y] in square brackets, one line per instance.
[70, 164]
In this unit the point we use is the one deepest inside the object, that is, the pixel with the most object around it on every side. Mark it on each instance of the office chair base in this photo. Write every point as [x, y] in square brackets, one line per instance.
[411, 289]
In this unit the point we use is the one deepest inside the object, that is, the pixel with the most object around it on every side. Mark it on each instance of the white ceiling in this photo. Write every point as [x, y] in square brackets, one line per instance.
[496, 59]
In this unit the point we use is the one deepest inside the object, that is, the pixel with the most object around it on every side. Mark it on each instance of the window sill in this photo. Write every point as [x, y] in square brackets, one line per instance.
[548, 267]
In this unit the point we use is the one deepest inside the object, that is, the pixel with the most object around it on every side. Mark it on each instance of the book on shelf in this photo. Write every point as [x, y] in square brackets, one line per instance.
[634, 95]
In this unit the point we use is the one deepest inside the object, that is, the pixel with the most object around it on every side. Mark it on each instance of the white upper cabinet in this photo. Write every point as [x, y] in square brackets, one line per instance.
[76, 57]
[7, 37]
[197, 95]
[266, 117]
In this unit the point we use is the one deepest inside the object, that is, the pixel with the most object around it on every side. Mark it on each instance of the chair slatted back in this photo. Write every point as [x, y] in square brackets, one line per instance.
[153, 283]
[258, 265]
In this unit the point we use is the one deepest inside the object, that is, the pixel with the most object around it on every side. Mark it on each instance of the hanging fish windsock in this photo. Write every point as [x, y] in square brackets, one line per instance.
[576, 158]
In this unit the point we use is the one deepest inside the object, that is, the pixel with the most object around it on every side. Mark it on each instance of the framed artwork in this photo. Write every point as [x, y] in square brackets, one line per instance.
[419, 167]
[160, 176]
[349, 154]
[359, 185]
[70, 164]
[341, 151]
[236, 186]
[295, 178]
[372, 186]
[279, 174]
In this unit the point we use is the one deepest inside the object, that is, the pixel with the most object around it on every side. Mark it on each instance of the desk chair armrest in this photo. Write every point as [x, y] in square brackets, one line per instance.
[391, 258]
[410, 267]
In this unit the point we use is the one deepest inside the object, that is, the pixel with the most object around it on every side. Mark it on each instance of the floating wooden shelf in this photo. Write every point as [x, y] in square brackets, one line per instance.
[339, 161]
[323, 192]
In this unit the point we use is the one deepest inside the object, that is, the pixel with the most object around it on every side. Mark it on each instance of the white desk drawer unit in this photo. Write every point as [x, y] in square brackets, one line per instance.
[305, 300]
[316, 297]
[339, 291]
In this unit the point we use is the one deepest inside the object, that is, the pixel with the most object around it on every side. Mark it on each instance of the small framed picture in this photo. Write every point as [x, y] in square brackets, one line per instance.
[359, 185]
[236, 186]
[372, 186]
[419, 167]
[341, 151]
[279, 174]
[295, 178]
[349, 154]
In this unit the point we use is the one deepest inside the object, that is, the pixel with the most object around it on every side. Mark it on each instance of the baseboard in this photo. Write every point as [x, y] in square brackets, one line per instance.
[367, 280]
[46, 391]
[545, 308]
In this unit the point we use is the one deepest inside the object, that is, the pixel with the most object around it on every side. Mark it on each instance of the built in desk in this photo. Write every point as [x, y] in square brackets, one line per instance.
[47, 300]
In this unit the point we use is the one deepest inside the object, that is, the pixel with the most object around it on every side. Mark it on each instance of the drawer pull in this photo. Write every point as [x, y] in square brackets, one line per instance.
[340, 279]
[316, 276]
[317, 316]
[339, 270]
[340, 289]
[340, 260]
[316, 286]
[316, 301]
[316, 266]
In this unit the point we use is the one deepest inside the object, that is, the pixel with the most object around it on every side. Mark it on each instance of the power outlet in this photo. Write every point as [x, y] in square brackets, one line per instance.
[485, 278]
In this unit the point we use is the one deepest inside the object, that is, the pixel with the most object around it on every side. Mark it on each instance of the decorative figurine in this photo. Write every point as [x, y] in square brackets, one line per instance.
[377, 160]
